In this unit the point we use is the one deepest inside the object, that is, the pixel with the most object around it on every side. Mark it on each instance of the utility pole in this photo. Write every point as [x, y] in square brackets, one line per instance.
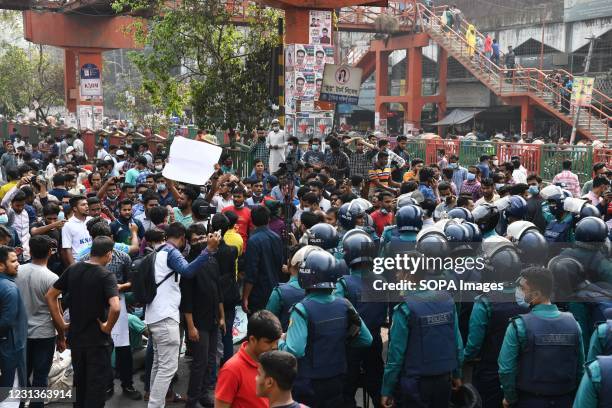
[587, 65]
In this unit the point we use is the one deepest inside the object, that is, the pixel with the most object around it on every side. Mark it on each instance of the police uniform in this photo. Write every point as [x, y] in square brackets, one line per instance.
[317, 337]
[601, 341]
[373, 315]
[541, 359]
[558, 230]
[282, 299]
[596, 265]
[595, 389]
[488, 324]
[425, 347]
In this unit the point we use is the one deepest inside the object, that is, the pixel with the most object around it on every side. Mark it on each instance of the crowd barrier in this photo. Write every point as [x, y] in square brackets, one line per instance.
[544, 160]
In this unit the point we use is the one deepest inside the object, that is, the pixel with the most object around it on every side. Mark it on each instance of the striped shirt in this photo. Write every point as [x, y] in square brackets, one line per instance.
[570, 180]
[382, 175]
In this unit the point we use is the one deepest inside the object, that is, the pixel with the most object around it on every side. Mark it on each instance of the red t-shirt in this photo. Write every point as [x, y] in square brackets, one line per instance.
[236, 382]
[244, 223]
[381, 221]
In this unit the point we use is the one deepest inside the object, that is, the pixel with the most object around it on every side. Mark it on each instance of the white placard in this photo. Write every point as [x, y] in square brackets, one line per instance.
[341, 84]
[191, 161]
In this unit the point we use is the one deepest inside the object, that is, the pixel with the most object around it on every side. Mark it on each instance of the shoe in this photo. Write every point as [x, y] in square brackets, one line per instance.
[131, 393]
[146, 396]
[175, 397]
[207, 401]
[109, 393]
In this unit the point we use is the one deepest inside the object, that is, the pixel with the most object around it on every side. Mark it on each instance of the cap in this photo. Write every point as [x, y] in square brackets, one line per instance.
[120, 152]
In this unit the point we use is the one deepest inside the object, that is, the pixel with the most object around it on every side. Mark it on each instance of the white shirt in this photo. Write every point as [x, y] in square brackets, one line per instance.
[277, 156]
[18, 143]
[325, 204]
[79, 147]
[220, 202]
[519, 177]
[166, 302]
[101, 154]
[75, 235]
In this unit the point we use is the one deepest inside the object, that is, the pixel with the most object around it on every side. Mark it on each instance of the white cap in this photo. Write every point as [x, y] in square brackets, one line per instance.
[120, 152]
[70, 149]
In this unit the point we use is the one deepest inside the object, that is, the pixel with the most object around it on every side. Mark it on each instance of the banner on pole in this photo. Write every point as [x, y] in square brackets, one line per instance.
[582, 91]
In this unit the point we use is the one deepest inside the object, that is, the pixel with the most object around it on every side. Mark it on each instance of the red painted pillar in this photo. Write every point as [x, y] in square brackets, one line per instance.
[382, 85]
[70, 80]
[442, 77]
[413, 86]
[527, 113]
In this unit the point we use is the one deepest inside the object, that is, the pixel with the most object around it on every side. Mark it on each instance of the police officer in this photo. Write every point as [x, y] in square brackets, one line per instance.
[324, 236]
[486, 216]
[560, 222]
[320, 327]
[591, 234]
[354, 215]
[359, 252]
[512, 208]
[425, 347]
[489, 319]
[287, 294]
[601, 340]
[460, 213]
[530, 243]
[541, 358]
[408, 222]
[596, 386]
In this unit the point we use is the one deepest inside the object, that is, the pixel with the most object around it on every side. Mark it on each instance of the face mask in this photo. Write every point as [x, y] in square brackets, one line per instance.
[128, 145]
[307, 209]
[499, 185]
[60, 216]
[384, 211]
[161, 187]
[275, 128]
[139, 197]
[519, 295]
[159, 167]
[452, 165]
[3, 219]
[471, 176]
[110, 198]
[534, 190]
[315, 148]
[290, 148]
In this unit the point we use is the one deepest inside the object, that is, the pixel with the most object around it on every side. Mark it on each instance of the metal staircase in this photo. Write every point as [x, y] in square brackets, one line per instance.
[595, 119]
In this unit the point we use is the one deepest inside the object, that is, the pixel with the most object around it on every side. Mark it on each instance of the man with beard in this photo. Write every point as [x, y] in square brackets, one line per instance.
[182, 213]
[244, 223]
[121, 226]
[149, 200]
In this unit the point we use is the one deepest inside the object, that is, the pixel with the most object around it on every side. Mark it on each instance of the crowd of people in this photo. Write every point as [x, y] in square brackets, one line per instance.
[99, 252]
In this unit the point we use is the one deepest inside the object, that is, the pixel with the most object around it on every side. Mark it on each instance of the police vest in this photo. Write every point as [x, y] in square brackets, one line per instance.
[502, 311]
[328, 324]
[289, 296]
[605, 389]
[590, 260]
[547, 365]
[558, 231]
[607, 346]
[431, 336]
[373, 314]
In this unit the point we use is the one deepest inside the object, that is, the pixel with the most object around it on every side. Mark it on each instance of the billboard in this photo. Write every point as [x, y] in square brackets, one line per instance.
[582, 91]
[91, 81]
[341, 84]
[320, 27]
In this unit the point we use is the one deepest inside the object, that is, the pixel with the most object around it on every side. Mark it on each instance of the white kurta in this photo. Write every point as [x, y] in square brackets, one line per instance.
[277, 156]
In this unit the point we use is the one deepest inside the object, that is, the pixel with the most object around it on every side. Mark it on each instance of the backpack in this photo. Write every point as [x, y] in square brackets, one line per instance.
[144, 286]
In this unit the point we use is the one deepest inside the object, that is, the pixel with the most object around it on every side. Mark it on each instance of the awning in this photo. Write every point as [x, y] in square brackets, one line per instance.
[457, 117]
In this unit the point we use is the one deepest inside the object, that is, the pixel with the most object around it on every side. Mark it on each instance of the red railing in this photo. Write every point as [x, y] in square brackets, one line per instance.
[433, 146]
[530, 155]
[603, 155]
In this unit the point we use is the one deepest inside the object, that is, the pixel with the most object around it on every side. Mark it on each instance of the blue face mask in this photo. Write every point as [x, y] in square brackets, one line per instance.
[519, 295]
[161, 187]
[3, 219]
[499, 185]
[471, 176]
[315, 148]
[453, 165]
[534, 190]
[60, 216]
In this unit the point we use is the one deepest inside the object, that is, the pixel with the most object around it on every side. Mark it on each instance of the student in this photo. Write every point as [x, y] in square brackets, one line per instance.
[276, 373]
[92, 291]
[236, 383]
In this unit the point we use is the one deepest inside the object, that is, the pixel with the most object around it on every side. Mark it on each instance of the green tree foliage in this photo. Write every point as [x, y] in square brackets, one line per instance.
[29, 78]
[197, 59]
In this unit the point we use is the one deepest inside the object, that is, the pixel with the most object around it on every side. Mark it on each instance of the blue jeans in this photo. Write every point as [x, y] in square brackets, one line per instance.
[228, 341]
[39, 358]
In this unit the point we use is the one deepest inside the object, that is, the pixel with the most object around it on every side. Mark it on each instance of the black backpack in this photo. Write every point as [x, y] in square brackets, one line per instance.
[144, 286]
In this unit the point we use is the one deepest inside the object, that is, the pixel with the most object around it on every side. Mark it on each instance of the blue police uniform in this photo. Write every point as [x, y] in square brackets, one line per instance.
[425, 347]
[597, 265]
[488, 323]
[282, 299]
[373, 315]
[541, 359]
[601, 341]
[595, 389]
[317, 337]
